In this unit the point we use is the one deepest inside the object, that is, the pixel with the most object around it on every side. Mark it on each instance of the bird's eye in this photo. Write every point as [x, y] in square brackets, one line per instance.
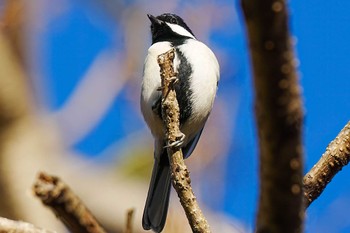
[173, 20]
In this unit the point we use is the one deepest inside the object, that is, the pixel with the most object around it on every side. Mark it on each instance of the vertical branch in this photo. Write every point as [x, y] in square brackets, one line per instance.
[17, 117]
[279, 116]
[337, 155]
[129, 218]
[15, 108]
[13, 24]
[180, 175]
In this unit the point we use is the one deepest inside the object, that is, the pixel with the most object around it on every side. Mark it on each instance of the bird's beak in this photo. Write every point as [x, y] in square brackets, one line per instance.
[154, 20]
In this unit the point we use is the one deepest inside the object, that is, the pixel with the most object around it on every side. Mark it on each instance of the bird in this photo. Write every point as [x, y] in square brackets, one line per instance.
[198, 74]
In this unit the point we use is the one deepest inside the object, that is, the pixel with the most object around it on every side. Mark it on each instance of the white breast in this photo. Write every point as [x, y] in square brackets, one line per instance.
[205, 75]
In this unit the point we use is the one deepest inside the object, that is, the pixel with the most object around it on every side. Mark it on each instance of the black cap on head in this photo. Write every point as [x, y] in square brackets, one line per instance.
[162, 32]
[174, 19]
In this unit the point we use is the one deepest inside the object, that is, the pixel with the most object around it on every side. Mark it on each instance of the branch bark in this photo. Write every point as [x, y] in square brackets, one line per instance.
[55, 194]
[337, 156]
[180, 174]
[279, 114]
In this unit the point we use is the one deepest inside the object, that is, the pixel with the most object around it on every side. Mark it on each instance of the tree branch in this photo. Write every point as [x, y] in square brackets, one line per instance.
[180, 175]
[15, 109]
[279, 116]
[337, 155]
[55, 194]
[7, 225]
[129, 217]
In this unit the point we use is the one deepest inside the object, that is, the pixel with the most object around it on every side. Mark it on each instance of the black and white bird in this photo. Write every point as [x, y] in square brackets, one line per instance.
[198, 76]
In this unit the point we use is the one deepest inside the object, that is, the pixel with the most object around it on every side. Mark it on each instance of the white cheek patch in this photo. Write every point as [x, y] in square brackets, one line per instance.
[180, 30]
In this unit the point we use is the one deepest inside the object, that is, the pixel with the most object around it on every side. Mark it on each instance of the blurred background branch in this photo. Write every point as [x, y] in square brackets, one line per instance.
[279, 115]
[13, 27]
[15, 99]
[67, 206]
[7, 225]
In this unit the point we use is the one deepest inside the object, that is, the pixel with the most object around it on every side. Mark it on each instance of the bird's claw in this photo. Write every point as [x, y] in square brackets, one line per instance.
[173, 80]
[180, 140]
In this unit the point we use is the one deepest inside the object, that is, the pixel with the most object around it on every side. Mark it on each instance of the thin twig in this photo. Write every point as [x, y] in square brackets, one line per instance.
[279, 116]
[7, 225]
[337, 155]
[56, 195]
[129, 218]
[13, 27]
[180, 174]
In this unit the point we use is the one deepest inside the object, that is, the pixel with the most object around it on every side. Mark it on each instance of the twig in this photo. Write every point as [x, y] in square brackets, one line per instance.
[13, 26]
[180, 175]
[337, 155]
[7, 225]
[129, 217]
[55, 194]
[279, 116]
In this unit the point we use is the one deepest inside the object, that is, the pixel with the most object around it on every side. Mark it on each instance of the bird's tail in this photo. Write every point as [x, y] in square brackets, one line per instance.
[156, 207]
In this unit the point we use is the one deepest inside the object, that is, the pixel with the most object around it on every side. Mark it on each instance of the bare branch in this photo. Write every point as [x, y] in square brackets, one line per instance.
[55, 194]
[7, 225]
[15, 109]
[129, 218]
[337, 155]
[279, 116]
[180, 174]
[13, 23]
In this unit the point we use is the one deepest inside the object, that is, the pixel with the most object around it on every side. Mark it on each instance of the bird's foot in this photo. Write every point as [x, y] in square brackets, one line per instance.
[173, 81]
[180, 138]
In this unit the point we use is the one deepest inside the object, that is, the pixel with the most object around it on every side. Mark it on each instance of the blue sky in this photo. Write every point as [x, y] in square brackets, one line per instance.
[322, 33]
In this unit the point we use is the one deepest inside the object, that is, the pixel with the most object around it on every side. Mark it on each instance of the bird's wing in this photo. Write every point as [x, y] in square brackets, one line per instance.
[188, 149]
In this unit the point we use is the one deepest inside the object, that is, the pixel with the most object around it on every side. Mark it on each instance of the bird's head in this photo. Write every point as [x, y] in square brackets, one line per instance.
[169, 27]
